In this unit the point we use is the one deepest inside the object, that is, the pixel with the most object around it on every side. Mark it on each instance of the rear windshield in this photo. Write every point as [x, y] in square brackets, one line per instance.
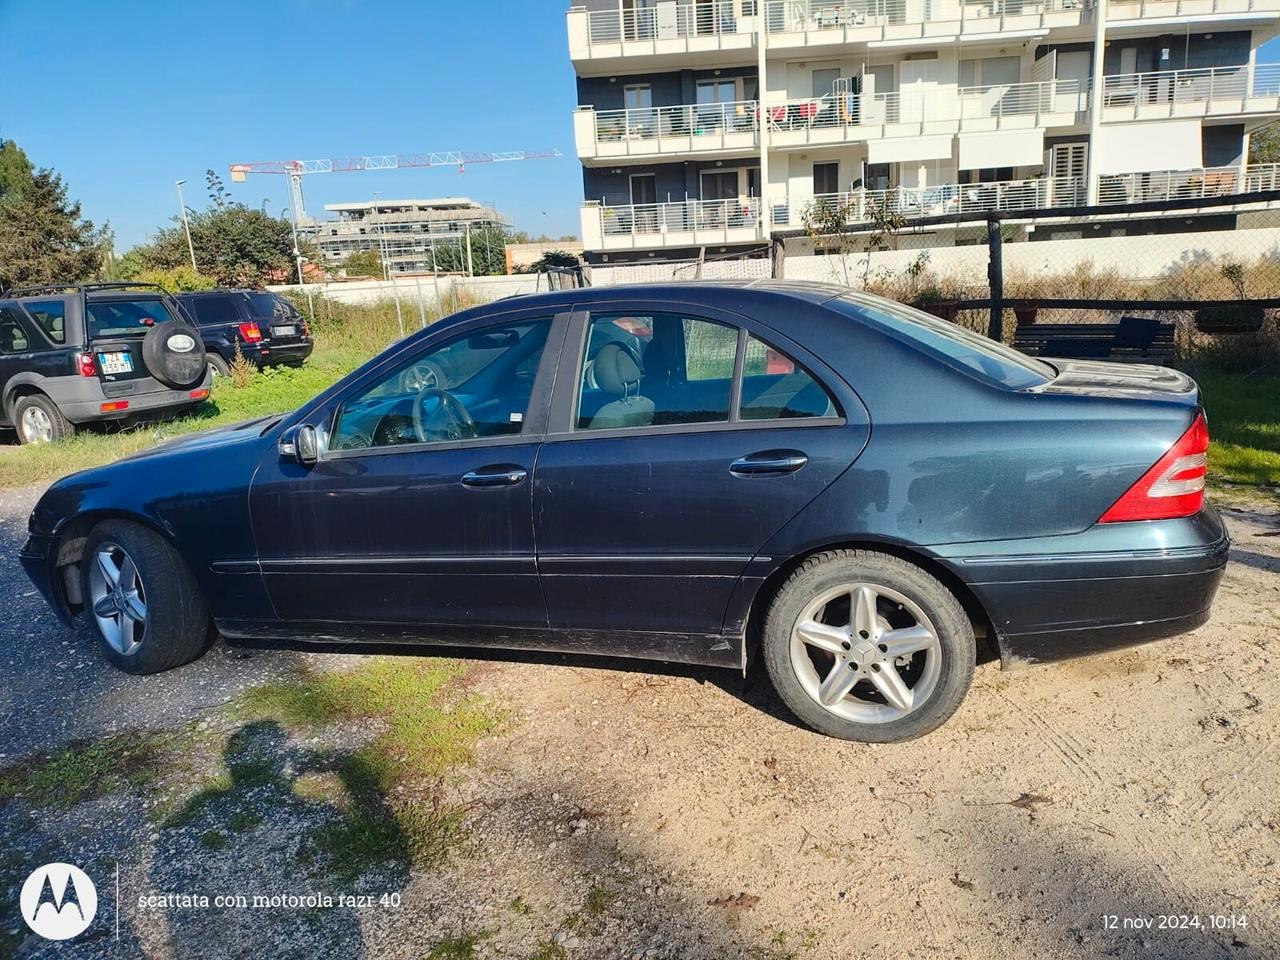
[210, 310]
[267, 305]
[987, 358]
[114, 318]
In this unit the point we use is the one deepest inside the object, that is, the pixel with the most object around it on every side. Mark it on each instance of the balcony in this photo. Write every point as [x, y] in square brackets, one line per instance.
[1213, 91]
[1184, 10]
[656, 133]
[691, 223]
[681, 31]
[947, 110]
[943, 200]
[819, 23]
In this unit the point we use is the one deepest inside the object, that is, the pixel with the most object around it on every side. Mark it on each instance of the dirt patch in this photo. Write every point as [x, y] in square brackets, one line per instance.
[1100, 807]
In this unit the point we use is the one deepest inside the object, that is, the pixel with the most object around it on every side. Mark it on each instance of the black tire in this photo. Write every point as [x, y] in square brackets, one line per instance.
[174, 354]
[828, 571]
[178, 626]
[60, 427]
[217, 366]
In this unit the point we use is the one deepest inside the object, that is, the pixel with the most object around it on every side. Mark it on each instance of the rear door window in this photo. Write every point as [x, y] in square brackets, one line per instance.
[655, 370]
[51, 317]
[117, 318]
[212, 310]
[775, 387]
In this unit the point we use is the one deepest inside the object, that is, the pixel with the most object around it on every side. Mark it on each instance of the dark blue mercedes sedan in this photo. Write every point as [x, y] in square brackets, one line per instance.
[849, 489]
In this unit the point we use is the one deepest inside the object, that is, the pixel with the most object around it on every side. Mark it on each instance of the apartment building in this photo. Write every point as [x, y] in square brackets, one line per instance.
[410, 235]
[707, 125]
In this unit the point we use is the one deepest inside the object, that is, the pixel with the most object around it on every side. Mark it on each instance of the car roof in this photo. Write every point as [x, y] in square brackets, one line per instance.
[728, 294]
[220, 291]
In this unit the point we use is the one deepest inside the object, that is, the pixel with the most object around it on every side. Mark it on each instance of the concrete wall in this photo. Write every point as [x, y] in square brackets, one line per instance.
[1135, 257]
[673, 88]
[479, 289]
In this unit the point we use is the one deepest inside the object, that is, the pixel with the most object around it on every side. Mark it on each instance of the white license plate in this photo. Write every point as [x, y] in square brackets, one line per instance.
[116, 362]
[288, 330]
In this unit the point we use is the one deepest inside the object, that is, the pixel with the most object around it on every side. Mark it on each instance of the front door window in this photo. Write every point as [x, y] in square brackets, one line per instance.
[475, 386]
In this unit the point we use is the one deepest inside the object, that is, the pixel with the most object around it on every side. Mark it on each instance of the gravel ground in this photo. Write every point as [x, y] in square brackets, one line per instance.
[631, 811]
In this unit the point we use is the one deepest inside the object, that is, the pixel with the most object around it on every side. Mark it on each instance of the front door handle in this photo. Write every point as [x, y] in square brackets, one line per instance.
[768, 463]
[503, 475]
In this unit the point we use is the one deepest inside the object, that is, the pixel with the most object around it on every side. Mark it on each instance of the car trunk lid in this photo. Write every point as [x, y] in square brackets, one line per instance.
[1122, 380]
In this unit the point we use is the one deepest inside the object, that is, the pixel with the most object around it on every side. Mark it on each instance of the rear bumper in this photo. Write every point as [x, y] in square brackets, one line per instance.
[80, 398]
[285, 353]
[1095, 594]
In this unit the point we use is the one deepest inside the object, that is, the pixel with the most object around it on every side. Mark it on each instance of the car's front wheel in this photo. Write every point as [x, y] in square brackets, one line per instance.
[866, 646]
[145, 606]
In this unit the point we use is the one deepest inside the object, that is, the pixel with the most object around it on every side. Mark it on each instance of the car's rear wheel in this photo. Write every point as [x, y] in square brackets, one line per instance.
[866, 646]
[38, 420]
[217, 366]
[145, 605]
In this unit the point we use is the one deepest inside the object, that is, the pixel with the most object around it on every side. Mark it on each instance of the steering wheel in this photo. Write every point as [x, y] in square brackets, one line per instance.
[458, 423]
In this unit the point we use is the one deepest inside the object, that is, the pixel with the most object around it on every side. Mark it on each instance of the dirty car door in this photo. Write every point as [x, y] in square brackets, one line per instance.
[678, 445]
[418, 513]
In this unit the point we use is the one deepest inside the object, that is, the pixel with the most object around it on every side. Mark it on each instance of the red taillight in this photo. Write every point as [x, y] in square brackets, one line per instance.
[199, 394]
[114, 407]
[1174, 487]
[250, 333]
[87, 367]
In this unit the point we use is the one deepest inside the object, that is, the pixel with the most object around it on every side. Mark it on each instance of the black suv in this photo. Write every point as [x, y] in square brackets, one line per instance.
[267, 327]
[73, 354]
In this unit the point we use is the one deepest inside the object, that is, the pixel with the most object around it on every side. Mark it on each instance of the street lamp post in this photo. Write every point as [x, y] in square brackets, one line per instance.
[186, 226]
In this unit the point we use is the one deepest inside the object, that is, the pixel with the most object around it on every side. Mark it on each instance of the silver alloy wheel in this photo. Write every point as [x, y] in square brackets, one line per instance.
[117, 598]
[36, 426]
[879, 662]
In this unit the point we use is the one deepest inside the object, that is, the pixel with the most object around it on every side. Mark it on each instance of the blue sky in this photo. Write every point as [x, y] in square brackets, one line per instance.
[125, 98]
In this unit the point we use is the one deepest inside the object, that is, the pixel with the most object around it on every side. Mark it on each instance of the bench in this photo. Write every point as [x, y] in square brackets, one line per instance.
[1133, 339]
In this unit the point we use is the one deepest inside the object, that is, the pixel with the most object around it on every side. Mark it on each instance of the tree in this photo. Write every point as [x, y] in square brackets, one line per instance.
[552, 260]
[235, 245]
[43, 238]
[488, 252]
[15, 169]
[1264, 145]
[363, 263]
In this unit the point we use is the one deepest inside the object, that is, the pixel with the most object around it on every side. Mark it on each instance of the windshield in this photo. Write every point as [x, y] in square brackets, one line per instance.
[114, 318]
[987, 358]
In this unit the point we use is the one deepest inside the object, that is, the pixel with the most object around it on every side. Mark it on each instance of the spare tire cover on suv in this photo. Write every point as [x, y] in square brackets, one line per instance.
[174, 354]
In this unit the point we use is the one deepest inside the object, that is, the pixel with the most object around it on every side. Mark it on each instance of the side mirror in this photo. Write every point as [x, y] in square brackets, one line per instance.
[301, 445]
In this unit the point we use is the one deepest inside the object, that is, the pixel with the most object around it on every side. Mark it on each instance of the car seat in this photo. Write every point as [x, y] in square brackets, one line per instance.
[617, 371]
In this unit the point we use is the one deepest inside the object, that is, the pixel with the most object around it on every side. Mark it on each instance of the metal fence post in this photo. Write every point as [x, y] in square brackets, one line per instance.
[995, 277]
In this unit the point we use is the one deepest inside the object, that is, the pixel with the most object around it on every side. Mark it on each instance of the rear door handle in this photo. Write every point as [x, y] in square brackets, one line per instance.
[768, 463]
[503, 475]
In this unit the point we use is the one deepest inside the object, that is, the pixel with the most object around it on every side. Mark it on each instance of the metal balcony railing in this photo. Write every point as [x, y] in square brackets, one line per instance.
[949, 199]
[945, 104]
[1172, 90]
[685, 216]
[695, 120]
[704, 18]
[1261, 176]
[1169, 185]
[806, 16]
[1140, 9]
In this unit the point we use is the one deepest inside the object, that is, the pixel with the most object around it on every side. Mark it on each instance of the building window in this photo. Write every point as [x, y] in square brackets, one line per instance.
[826, 178]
